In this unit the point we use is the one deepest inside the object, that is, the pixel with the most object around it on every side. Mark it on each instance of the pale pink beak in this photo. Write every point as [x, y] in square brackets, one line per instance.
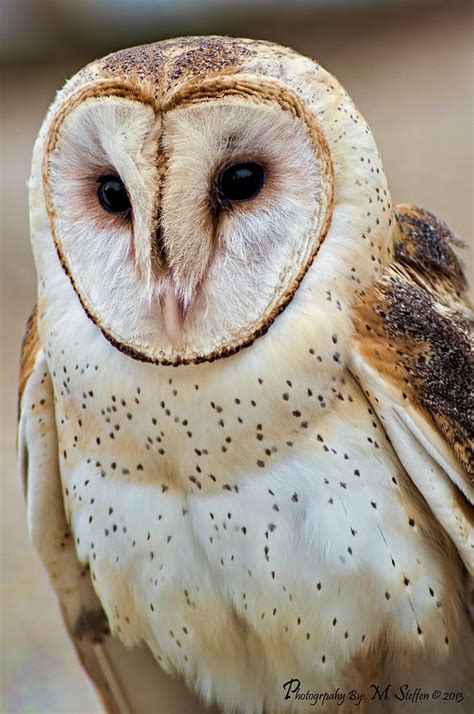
[173, 316]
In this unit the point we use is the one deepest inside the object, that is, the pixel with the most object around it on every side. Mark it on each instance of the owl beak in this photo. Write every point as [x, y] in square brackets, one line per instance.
[173, 316]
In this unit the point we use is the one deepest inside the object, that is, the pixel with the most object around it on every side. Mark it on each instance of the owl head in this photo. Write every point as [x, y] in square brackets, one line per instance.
[188, 190]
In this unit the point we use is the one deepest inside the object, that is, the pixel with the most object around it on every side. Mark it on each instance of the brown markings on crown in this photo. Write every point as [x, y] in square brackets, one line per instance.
[164, 64]
[143, 63]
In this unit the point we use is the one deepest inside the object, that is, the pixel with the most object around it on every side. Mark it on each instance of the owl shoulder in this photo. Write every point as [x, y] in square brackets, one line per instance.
[414, 327]
[413, 358]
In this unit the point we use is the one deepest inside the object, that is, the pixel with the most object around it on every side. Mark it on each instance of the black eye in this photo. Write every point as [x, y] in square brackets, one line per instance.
[113, 195]
[240, 182]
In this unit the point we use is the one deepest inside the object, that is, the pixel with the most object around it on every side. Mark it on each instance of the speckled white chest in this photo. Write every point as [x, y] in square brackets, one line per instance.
[248, 523]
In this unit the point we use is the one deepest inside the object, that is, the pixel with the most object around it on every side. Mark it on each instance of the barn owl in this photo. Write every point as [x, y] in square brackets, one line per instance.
[244, 414]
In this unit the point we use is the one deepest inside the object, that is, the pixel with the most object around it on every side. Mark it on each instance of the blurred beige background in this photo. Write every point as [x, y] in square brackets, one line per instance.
[407, 65]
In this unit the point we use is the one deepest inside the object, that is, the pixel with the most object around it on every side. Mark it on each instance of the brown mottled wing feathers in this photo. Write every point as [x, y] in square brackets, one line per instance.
[29, 350]
[415, 328]
[413, 358]
[425, 245]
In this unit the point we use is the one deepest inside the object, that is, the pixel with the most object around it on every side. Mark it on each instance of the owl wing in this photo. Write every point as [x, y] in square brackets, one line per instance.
[413, 358]
[126, 680]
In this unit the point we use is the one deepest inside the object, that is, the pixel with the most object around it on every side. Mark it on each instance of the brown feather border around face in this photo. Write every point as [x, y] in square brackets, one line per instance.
[265, 91]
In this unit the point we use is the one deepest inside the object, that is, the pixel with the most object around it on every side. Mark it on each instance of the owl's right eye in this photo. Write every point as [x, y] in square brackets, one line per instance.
[112, 194]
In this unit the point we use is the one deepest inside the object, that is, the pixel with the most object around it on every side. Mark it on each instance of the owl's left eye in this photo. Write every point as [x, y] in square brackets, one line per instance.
[112, 194]
[240, 182]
